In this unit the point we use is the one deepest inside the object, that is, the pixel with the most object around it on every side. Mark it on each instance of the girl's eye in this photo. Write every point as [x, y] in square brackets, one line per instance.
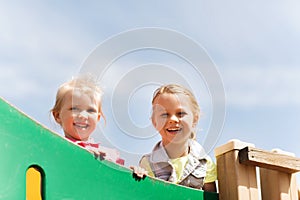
[164, 115]
[74, 108]
[92, 110]
[181, 114]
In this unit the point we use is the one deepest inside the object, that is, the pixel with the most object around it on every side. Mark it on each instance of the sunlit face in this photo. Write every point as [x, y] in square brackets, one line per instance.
[79, 115]
[173, 118]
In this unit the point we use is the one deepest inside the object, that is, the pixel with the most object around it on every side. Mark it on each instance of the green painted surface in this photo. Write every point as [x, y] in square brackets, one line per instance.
[70, 171]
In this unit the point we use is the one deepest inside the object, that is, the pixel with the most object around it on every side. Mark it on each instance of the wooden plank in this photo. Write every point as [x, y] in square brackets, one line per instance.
[227, 177]
[233, 144]
[278, 185]
[236, 181]
[293, 190]
[269, 160]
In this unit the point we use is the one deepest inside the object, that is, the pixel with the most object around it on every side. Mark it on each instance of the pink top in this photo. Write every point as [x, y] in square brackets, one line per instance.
[107, 153]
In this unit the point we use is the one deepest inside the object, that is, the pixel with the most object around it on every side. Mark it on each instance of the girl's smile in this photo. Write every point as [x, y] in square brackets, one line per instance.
[79, 115]
[173, 117]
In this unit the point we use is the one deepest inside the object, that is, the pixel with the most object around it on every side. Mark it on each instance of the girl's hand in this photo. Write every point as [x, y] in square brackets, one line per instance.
[109, 154]
[105, 153]
[138, 173]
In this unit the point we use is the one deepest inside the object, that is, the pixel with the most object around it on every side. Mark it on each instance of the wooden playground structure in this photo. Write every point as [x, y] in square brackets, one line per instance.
[39, 164]
[237, 165]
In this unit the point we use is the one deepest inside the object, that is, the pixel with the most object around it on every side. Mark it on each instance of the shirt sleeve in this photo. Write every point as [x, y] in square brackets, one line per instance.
[144, 163]
[211, 172]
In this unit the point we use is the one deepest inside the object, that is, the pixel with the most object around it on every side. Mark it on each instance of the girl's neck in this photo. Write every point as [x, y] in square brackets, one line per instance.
[177, 150]
[76, 140]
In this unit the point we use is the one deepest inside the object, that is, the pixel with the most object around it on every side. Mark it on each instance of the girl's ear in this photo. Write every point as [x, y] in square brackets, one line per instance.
[153, 121]
[99, 117]
[195, 120]
[56, 117]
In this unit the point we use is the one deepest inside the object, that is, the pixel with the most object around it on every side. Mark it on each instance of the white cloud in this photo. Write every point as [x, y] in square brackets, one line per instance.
[14, 83]
[37, 33]
[291, 10]
[252, 86]
[39, 49]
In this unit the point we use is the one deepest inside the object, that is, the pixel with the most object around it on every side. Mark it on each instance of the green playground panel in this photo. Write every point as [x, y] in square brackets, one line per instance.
[69, 172]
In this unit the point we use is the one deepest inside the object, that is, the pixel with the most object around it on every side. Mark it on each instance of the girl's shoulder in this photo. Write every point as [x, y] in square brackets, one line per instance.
[144, 163]
[197, 150]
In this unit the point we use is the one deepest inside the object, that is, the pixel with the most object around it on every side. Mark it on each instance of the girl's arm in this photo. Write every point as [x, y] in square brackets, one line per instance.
[210, 187]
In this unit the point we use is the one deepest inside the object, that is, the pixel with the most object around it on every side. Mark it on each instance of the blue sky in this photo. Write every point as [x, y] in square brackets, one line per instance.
[254, 46]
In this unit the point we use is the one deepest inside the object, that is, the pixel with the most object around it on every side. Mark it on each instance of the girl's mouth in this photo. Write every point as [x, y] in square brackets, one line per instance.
[174, 130]
[81, 125]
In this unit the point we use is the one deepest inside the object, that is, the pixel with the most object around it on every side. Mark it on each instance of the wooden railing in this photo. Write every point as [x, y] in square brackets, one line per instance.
[237, 164]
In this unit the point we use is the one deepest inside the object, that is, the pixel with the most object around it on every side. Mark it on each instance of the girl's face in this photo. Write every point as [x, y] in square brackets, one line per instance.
[173, 117]
[78, 116]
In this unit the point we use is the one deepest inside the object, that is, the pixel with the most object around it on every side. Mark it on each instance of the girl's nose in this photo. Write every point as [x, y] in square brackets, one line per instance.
[174, 118]
[83, 114]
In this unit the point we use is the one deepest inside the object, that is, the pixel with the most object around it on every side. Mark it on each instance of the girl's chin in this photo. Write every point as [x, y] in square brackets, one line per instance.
[82, 136]
[82, 131]
[176, 139]
[173, 132]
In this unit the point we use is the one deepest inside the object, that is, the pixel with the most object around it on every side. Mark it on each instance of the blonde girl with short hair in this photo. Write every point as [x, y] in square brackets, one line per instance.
[77, 110]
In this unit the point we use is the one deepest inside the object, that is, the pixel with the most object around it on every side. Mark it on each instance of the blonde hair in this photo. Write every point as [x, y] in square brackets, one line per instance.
[86, 85]
[178, 89]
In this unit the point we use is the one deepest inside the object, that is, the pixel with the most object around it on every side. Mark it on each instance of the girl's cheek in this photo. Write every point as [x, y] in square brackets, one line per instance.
[94, 115]
[161, 124]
